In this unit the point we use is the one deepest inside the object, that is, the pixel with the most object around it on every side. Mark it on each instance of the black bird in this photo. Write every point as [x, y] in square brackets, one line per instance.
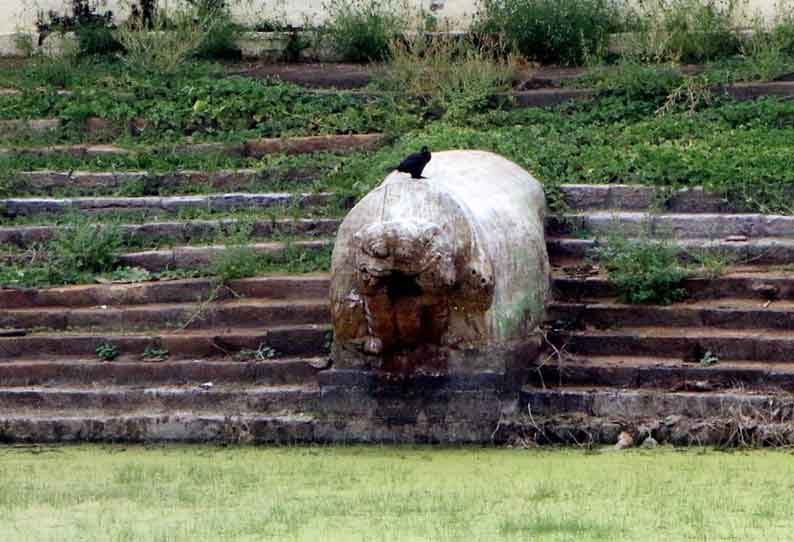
[415, 163]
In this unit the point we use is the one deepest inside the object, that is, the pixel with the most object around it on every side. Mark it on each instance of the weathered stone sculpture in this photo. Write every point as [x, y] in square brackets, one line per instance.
[443, 275]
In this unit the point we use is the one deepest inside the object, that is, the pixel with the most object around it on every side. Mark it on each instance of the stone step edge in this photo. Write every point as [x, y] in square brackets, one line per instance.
[49, 179]
[284, 341]
[239, 399]
[741, 251]
[254, 148]
[671, 225]
[240, 315]
[304, 429]
[763, 346]
[566, 287]
[277, 287]
[613, 315]
[676, 226]
[220, 202]
[85, 372]
[584, 197]
[180, 231]
[605, 402]
[197, 257]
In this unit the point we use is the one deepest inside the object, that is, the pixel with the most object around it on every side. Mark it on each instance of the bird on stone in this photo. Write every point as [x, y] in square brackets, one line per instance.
[415, 163]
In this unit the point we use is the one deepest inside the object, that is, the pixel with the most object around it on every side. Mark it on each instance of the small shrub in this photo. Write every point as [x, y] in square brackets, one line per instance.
[236, 262]
[768, 51]
[85, 248]
[634, 79]
[53, 70]
[643, 271]
[107, 351]
[93, 28]
[460, 76]
[710, 264]
[220, 30]
[361, 30]
[552, 31]
[166, 47]
[686, 30]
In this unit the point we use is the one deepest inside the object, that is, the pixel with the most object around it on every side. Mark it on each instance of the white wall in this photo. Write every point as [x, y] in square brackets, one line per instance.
[21, 14]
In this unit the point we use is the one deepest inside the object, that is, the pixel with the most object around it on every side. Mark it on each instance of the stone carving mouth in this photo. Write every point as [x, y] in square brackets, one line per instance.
[405, 271]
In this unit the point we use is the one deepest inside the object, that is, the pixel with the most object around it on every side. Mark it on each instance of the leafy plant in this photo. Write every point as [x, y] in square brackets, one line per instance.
[262, 353]
[643, 271]
[130, 274]
[361, 30]
[552, 31]
[107, 351]
[154, 353]
[709, 358]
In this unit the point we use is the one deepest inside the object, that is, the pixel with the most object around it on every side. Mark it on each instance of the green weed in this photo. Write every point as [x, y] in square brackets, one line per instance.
[552, 31]
[709, 359]
[643, 271]
[361, 30]
[154, 353]
[107, 351]
[686, 30]
[85, 248]
[457, 75]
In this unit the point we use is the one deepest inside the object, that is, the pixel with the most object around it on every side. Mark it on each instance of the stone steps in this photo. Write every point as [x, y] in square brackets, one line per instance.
[687, 343]
[673, 226]
[723, 313]
[690, 227]
[658, 372]
[156, 205]
[70, 371]
[230, 399]
[254, 148]
[176, 232]
[632, 197]
[210, 314]
[284, 341]
[768, 250]
[755, 283]
[56, 427]
[98, 182]
[616, 403]
[274, 287]
[190, 257]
